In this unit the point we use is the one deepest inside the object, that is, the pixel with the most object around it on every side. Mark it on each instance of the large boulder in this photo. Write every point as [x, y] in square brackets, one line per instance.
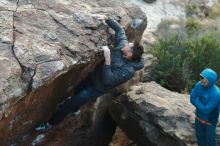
[46, 48]
[152, 115]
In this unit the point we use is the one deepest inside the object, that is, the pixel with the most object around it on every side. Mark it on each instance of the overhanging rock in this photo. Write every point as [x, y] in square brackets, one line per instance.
[46, 48]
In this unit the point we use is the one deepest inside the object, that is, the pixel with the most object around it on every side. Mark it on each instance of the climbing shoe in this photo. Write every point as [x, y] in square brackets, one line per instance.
[43, 127]
[74, 114]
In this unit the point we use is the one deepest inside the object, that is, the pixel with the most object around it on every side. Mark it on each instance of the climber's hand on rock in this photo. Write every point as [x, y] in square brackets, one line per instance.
[107, 55]
[100, 17]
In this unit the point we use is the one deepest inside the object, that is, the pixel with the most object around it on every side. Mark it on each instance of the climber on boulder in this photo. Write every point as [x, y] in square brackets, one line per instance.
[119, 66]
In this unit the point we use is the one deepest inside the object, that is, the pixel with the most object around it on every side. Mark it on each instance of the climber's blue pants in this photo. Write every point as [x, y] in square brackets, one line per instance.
[73, 103]
[205, 134]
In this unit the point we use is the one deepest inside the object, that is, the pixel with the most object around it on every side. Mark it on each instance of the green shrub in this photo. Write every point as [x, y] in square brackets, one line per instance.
[214, 11]
[183, 52]
[181, 59]
[204, 52]
[191, 9]
[192, 25]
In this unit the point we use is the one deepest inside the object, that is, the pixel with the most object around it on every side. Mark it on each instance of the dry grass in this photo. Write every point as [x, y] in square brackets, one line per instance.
[120, 139]
[214, 10]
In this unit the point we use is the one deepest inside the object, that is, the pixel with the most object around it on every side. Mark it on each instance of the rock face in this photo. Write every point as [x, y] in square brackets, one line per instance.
[46, 48]
[164, 10]
[151, 115]
[158, 11]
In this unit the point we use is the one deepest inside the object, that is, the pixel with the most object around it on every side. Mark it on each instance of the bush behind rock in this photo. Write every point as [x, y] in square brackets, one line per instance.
[182, 54]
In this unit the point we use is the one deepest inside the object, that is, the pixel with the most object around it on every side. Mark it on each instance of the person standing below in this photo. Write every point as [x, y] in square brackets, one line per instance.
[205, 96]
[118, 67]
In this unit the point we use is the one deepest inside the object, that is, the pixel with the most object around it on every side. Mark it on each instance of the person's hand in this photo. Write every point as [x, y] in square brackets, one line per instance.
[107, 55]
[131, 45]
[100, 17]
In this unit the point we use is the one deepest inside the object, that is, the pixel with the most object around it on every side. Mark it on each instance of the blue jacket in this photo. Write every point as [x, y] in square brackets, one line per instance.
[105, 77]
[206, 99]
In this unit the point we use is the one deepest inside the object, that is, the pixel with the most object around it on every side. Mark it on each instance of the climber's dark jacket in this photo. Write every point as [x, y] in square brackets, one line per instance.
[106, 77]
